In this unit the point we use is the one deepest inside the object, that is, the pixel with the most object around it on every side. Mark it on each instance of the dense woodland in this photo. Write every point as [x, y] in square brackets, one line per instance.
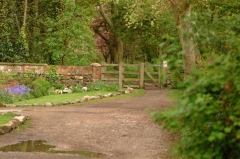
[198, 37]
[73, 32]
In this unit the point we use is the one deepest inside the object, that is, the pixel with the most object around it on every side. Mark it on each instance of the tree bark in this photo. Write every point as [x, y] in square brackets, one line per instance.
[181, 9]
[114, 43]
[25, 16]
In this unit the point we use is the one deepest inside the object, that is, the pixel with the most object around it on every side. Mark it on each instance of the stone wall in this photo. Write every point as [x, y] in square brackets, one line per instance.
[70, 75]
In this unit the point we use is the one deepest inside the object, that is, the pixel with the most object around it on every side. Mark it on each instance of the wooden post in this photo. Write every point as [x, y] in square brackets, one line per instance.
[103, 70]
[164, 72]
[120, 76]
[141, 82]
[159, 75]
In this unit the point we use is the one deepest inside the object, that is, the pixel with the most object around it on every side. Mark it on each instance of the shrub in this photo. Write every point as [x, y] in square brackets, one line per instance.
[5, 97]
[52, 77]
[77, 88]
[25, 78]
[4, 77]
[104, 86]
[19, 92]
[40, 87]
[208, 115]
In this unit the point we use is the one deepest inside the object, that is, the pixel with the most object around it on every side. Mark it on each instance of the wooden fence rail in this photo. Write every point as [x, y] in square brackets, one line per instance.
[135, 79]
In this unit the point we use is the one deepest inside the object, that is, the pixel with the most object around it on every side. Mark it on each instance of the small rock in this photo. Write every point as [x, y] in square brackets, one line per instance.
[122, 92]
[78, 100]
[84, 89]
[11, 124]
[28, 105]
[36, 104]
[48, 104]
[65, 103]
[129, 89]
[92, 98]
[73, 102]
[5, 128]
[21, 119]
[1, 132]
[19, 105]
[127, 92]
[10, 105]
[58, 104]
[99, 96]
[86, 98]
[107, 95]
[16, 122]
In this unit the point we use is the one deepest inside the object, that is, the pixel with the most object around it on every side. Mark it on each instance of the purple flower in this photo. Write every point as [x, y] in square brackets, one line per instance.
[18, 90]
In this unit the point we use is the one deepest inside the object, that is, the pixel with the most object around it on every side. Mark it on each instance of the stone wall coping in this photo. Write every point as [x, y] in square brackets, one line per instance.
[24, 64]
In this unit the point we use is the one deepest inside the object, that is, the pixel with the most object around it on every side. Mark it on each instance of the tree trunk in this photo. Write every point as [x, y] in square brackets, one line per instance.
[25, 16]
[116, 49]
[181, 9]
[115, 45]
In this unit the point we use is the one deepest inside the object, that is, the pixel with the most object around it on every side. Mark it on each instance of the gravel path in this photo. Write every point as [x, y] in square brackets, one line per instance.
[120, 129]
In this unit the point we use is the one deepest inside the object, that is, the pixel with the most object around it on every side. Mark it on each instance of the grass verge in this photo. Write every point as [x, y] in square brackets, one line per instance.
[57, 98]
[5, 118]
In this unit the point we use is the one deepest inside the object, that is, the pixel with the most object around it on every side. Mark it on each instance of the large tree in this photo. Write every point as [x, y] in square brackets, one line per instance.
[105, 27]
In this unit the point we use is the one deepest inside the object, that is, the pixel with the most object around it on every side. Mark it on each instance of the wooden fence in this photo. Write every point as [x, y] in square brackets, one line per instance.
[135, 76]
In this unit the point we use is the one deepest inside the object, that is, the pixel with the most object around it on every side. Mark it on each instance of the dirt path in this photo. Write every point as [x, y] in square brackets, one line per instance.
[119, 128]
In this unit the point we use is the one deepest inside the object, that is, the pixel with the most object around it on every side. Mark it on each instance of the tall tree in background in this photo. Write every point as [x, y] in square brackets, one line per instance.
[182, 9]
[53, 32]
[69, 37]
[105, 26]
[13, 46]
[140, 26]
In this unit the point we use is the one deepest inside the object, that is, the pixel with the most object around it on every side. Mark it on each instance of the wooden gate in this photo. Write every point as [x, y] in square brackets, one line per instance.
[133, 75]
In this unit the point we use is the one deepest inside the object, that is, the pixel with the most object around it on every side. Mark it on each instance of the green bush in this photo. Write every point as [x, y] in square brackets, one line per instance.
[5, 97]
[40, 87]
[77, 88]
[208, 114]
[25, 78]
[103, 86]
[53, 78]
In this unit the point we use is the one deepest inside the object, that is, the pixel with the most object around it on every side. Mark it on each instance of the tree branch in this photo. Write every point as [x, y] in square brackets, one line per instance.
[101, 35]
[105, 16]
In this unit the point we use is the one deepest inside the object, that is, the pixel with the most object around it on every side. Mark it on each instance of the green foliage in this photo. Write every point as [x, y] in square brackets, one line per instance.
[5, 97]
[52, 77]
[77, 88]
[70, 39]
[208, 116]
[103, 86]
[13, 45]
[40, 87]
[4, 77]
[26, 78]
[150, 20]
[5, 118]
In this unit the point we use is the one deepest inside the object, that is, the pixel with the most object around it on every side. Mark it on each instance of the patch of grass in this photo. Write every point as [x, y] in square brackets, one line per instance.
[57, 98]
[175, 94]
[5, 118]
[23, 126]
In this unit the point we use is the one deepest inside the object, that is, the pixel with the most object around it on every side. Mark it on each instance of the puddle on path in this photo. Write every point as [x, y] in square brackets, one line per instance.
[41, 146]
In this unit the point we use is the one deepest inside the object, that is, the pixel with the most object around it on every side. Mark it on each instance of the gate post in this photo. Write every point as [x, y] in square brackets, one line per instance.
[141, 83]
[103, 70]
[164, 73]
[159, 75]
[120, 75]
